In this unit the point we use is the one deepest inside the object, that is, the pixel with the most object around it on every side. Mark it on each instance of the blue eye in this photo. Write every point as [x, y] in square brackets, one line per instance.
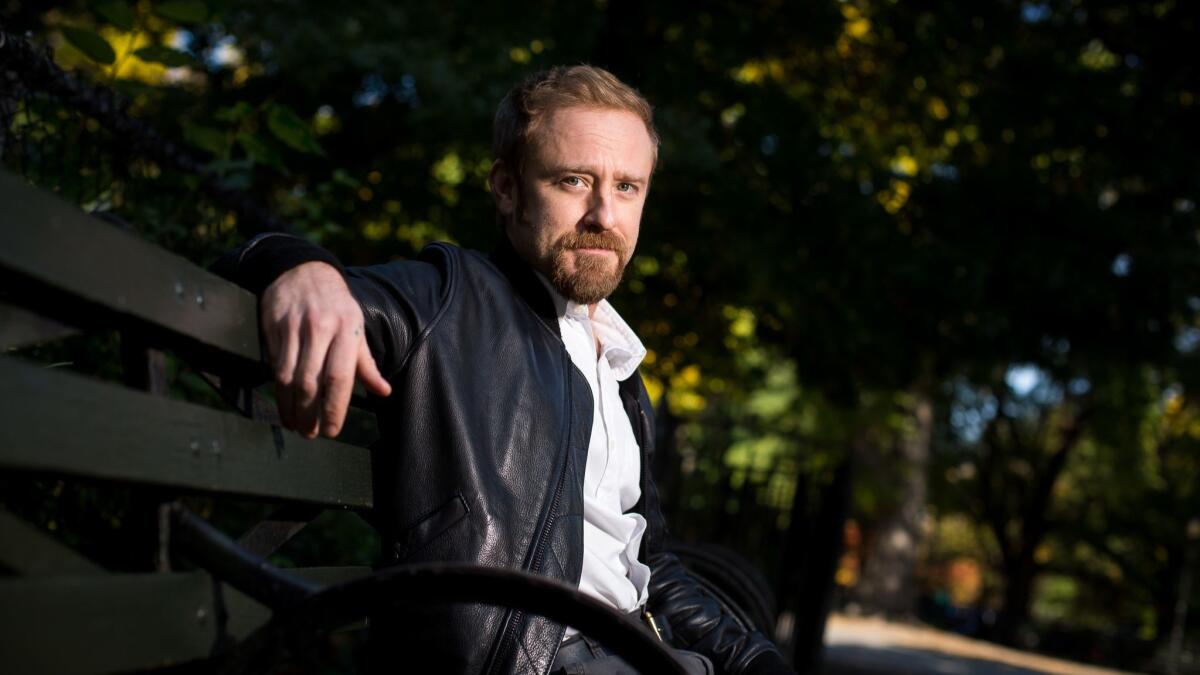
[573, 181]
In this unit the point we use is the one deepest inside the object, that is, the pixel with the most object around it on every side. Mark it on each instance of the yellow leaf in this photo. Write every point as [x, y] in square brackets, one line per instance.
[938, 109]
[449, 169]
[687, 402]
[690, 376]
[750, 72]
[858, 28]
[743, 324]
[654, 388]
[905, 165]
[376, 230]
[520, 55]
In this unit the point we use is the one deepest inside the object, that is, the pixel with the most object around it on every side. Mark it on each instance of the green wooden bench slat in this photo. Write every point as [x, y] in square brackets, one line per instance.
[60, 422]
[122, 622]
[53, 243]
[104, 624]
[27, 550]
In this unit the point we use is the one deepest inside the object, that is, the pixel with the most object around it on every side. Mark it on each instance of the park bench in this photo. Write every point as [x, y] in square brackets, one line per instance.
[66, 270]
[213, 603]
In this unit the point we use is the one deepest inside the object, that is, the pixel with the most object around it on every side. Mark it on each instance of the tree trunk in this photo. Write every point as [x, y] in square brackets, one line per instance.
[1020, 566]
[888, 583]
[1018, 594]
[817, 541]
[1184, 596]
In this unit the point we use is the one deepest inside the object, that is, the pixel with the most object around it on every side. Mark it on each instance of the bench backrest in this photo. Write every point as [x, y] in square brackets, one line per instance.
[62, 271]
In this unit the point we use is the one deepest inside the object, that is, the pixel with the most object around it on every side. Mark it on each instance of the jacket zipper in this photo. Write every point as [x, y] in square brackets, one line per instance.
[544, 536]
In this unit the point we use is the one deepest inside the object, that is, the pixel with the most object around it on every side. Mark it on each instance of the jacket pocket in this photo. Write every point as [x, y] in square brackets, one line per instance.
[430, 526]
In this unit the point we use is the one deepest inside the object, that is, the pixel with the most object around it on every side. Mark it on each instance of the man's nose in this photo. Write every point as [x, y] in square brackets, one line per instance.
[601, 211]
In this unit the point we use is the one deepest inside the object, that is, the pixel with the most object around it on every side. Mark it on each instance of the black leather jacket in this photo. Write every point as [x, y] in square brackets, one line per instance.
[484, 444]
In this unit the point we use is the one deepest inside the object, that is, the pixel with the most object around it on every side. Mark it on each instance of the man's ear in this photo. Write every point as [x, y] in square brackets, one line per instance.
[504, 188]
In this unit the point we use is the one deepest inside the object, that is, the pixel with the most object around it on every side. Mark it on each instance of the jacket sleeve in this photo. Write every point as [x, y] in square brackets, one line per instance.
[400, 300]
[698, 623]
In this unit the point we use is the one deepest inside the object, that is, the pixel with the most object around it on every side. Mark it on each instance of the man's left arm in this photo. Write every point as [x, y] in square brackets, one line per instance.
[696, 619]
[698, 622]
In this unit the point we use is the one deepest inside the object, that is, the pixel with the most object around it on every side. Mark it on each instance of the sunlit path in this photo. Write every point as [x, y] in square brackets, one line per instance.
[857, 645]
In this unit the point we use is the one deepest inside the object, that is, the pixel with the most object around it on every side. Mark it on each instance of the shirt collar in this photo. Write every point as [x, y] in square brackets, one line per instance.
[618, 343]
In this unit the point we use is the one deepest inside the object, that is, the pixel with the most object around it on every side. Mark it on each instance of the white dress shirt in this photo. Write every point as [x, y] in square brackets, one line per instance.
[611, 537]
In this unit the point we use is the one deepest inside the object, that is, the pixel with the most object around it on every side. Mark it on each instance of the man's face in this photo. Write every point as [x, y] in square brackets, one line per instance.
[576, 214]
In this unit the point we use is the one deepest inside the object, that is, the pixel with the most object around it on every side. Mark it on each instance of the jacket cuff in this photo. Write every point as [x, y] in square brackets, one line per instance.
[257, 264]
[768, 663]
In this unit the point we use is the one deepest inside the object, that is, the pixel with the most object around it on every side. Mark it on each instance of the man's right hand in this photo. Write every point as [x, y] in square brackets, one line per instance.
[318, 346]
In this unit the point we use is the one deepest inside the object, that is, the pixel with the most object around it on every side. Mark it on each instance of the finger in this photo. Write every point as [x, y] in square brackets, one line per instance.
[368, 371]
[283, 347]
[337, 383]
[283, 344]
[307, 384]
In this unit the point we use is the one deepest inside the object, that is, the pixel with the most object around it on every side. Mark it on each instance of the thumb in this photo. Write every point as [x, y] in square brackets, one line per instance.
[368, 372]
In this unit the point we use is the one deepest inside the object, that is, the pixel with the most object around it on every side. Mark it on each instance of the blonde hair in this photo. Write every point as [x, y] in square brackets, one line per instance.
[532, 101]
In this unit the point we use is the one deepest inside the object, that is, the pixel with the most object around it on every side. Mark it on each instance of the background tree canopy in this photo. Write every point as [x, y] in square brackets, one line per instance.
[920, 278]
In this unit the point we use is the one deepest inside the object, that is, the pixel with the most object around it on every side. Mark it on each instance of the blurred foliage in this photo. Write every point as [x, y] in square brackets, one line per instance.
[860, 204]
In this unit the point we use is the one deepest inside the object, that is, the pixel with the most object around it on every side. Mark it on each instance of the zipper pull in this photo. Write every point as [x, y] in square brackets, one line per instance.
[653, 625]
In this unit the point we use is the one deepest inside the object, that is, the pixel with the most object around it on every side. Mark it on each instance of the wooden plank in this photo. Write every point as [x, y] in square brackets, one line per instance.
[53, 245]
[104, 624]
[28, 551]
[60, 422]
[20, 327]
[123, 622]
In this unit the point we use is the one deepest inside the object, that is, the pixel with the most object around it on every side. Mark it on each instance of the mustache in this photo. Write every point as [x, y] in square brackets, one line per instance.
[609, 241]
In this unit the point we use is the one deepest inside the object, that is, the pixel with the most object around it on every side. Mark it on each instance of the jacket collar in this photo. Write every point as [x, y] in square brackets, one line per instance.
[526, 283]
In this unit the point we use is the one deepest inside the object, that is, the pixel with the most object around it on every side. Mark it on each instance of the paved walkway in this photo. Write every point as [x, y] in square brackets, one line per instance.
[859, 646]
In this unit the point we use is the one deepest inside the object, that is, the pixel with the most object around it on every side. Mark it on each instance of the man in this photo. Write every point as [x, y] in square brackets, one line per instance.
[515, 429]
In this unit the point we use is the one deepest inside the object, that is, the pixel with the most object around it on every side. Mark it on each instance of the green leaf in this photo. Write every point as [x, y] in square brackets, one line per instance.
[133, 88]
[206, 138]
[171, 58]
[287, 126]
[90, 43]
[342, 178]
[117, 12]
[259, 150]
[235, 113]
[224, 166]
[183, 11]
[237, 181]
